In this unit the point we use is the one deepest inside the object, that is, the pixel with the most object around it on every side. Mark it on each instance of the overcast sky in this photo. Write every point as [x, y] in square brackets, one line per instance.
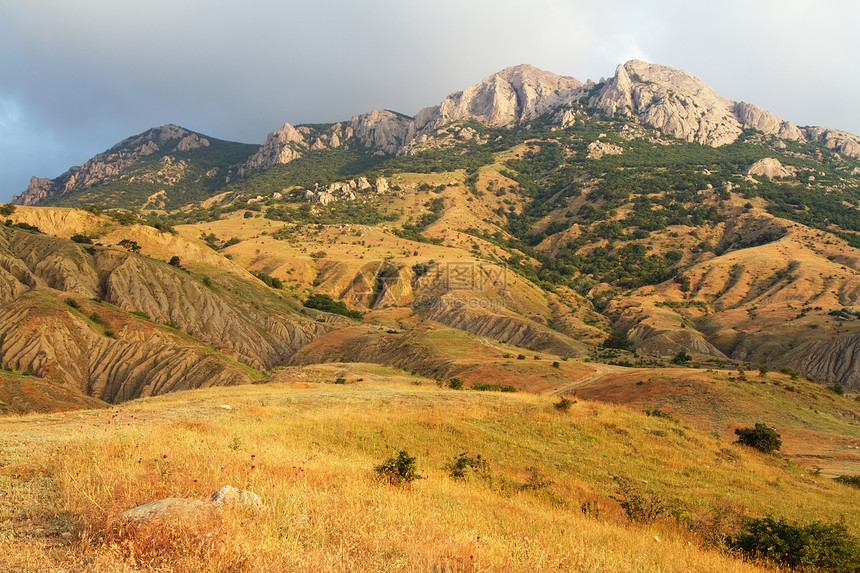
[77, 76]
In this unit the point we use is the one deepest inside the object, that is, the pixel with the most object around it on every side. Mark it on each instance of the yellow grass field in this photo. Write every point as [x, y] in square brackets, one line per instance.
[308, 448]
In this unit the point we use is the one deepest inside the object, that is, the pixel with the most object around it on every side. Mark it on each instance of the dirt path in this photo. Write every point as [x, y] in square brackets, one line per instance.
[600, 370]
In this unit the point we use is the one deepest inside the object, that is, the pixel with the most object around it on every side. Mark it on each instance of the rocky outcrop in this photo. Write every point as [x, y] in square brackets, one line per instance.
[289, 143]
[753, 117]
[516, 94]
[771, 168]
[345, 191]
[680, 104]
[109, 166]
[281, 146]
[597, 149]
[674, 101]
[839, 141]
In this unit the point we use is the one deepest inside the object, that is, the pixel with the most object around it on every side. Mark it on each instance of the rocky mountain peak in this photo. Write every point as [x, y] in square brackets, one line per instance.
[110, 164]
[515, 94]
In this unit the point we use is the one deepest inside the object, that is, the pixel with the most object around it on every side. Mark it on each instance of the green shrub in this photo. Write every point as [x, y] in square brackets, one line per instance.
[556, 364]
[853, 481]
[521, 356]
[483, 387]
[273, 282]
[7, 209]
[402, 469]
[82, 239]
[817, 546]
[326, 303]
[638, 505]
[72, 303]
[658, 413]
[838, 388]
[340, 380]
[175, 261]
[564, 404]
[465, 464]
[617, 339]
[760, 437]
[129, 245]
[681, 358]
[455, 383]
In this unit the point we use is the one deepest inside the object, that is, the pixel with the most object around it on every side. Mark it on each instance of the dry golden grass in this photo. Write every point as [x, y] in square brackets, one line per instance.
[309, 453]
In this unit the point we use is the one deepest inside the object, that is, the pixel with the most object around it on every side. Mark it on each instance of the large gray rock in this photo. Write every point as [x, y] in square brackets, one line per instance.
[192, 512]
[172, 510]
[771, 168]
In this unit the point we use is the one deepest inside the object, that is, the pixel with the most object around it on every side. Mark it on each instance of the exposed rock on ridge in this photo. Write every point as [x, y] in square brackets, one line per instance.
[110, 164]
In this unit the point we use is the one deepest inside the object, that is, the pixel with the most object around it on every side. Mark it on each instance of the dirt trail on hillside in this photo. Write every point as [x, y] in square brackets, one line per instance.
[600, 370]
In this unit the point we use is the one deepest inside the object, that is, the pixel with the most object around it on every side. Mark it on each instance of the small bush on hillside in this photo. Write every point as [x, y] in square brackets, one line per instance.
[129, 245]
[271, 281]
[556, 364]
[7, 209]
[681, 358]
[326, 303]
[853, 481]
[175, 261]
[617, 339]
[464, 464]
[639, 506]
[482, 387]
[564, 404]
[521, 356]
[340, 380]
[401, 469]
[838, 388]
[81, 239]
[455, 384]
[760, 437]
[817, 546]
[536, 481]
[72, 303]
[658, 413]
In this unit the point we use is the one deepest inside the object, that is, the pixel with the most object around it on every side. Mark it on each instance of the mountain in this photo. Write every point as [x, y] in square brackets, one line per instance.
[169, 166]
[147, 170]
[562, 301]
[636, 220]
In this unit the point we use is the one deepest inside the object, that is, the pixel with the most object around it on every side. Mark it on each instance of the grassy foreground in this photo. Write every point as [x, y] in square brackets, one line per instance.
[550, 501]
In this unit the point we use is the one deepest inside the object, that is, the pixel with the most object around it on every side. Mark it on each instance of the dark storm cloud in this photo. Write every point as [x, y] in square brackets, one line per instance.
[76, 77]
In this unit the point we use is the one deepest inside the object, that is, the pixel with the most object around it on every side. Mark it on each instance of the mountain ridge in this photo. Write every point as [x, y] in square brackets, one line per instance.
[674, 101]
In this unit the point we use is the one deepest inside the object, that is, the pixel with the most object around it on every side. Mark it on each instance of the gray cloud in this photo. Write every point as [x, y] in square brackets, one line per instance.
[76, 77]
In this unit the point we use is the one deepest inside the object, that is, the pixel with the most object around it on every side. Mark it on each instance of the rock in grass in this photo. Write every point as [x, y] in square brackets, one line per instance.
[173, 510]
[181, 511]
[230, 497]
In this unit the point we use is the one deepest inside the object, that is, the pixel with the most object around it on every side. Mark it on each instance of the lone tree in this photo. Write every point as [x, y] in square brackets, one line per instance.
[760, 437]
